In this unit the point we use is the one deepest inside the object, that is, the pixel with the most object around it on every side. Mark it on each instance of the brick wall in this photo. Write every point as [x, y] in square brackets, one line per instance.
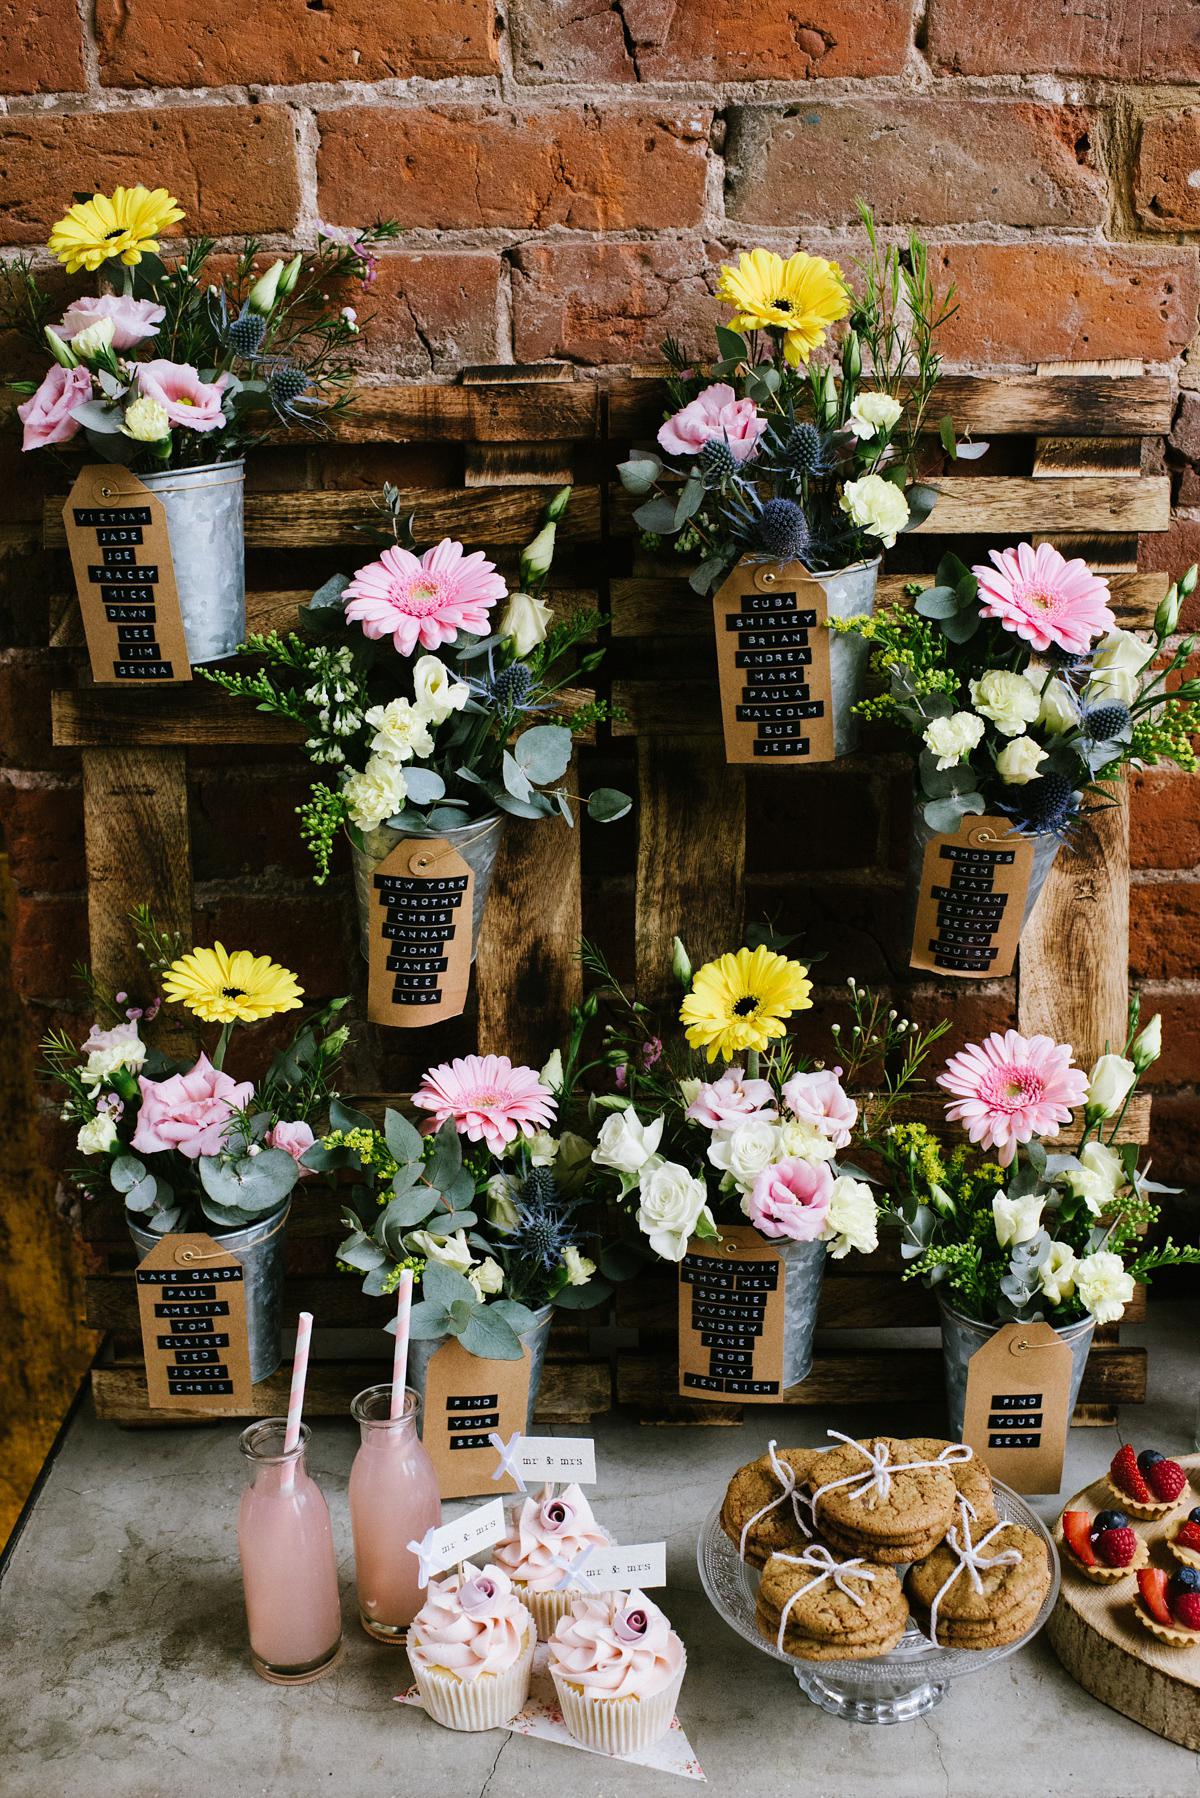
[571, 173]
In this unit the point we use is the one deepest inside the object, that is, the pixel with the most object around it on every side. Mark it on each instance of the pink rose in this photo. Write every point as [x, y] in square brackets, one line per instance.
[183, 396]
[293, 1139]
[725, 1102]
[47, 415]
[189, 1112]
[133, 320]
[789, 1199]
[715, 414]
[818, 1099]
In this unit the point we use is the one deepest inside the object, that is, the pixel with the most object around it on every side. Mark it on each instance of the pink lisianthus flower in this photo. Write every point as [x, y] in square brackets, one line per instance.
[1011, 1089]
[791, 1199]
[714, 415]
[183, 396]
[46, 415]
[189, 1112]
[819, 1099]
[293, 1139]
[487, 1097]
[133, 320]
[1044, 598]
[720, 1104]
[426, 599]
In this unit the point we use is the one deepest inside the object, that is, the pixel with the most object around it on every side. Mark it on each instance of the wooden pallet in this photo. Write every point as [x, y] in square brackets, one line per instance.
[523, 429]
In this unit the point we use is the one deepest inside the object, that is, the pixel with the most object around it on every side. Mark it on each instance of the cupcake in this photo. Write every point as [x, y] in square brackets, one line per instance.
[617, 1667]
[545, 1532]
[471, 1650]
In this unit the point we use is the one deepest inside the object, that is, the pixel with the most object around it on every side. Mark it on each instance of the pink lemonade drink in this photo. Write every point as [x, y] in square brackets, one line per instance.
[393, 1501]
[288, 1570]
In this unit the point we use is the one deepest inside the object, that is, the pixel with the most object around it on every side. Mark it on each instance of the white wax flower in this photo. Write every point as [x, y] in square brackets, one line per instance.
[625, 1143]
[852, 1219]
[953, 739]
[1017, 1220]
[672, 1203]
[1103, 1285]
[1007, 699]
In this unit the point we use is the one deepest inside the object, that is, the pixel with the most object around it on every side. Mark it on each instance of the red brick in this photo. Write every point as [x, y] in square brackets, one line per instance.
[27, 679]
[1179, 1063]
[915, 161]
[434, 313]
[708, 40]
[459, 168]
[174, 43]
[1164, 931]
[973, 1015]
[231, 168]
[1151, 41]
[41, 47]
[51, 935]
[42, 831]
[1175, 1140]
[1185, 432]
[1164, 819]
[1053, 301]
[605, 303]
[1173, 552]
[1164, 193]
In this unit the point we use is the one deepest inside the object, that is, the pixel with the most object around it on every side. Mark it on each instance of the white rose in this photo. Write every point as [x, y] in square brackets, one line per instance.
[1108, 1083]
[625, 1143]
[97, 1135]
[453, 1251]
[745, 1150]
[1117, 661]
[1007, 699]
[953, 739]
[543, 1149]
[1056, 1275]
[526, 621]
[873, 412]
[877, 506]
[487, 1277]
[400, 731]
[579, 1268]
[1103, 1286]
[1017, 1220]
[1057, 710]
[672, 1203]
[852, 1219]
[798, 1137]
[502, 1204]
[375, 794]
[93, 342]
[1020, 761]
[436, 694]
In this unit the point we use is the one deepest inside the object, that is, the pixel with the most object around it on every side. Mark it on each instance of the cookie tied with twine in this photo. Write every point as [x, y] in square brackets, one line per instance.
[817, 1607]
[767, 1509]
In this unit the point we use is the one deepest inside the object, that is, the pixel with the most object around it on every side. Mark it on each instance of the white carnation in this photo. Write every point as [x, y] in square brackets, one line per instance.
[375, 794]
[852, 1219]
[877, 506]
[953, 739]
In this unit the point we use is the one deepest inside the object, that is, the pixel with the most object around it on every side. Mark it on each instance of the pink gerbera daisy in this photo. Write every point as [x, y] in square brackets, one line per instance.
[1043, 598]
[429, 598]
[487, 1097]
[1011, 1089]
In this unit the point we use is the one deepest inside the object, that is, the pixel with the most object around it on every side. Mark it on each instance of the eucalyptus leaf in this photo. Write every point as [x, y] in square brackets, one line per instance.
[426, 1321]
[407, 1212]
[446, 1287]
[639, 475]
[944, 815]
[323, 1161]
[950, 570]
[445, 1164]
[254, 1184]
[516, 781]
[487, 1335]
[607, 804]
[125, 1172]
[962, 627]
[704, 578]
[731, 344]
[360, 1252]
[100, 416]
[536, 806]
[921, 501]
[656, 515]
[937, 602]
[542, 753]
[163, 1222]
[446, 817]
[230, 1217]
[424, 785]
[689, 501]
[142, 1196]
[460, 1191]
[345, 1118]
[375, 1284]
[583, 1298]
[405, 1142]
[519, 1317]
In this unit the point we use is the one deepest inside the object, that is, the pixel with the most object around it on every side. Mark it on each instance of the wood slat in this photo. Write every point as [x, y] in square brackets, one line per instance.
[691, 856]
[1115, 555]
[1081, 458]
[521, 410]
[518, 465]
[87, 716]
[662, 709]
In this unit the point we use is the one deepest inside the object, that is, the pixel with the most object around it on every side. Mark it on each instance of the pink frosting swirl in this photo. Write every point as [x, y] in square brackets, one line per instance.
[548, 1530]
[470, 1626]
[616, 1645]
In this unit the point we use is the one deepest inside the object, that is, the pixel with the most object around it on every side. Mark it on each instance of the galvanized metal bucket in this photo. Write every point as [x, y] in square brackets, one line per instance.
[804, 1264]
[849, 593]
[259, 1248]
[478, 843]
[205, 524]
[1045, 852]
[420, 1354]
[962, 1335]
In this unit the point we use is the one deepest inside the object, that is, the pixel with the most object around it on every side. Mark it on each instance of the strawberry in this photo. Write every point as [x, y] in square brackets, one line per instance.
[1152, 1584]
[1189, 1536]
[1117, 1547]
[1166, 1480]
[1126, 1474]
[1187, 1610]
[1076, 1525]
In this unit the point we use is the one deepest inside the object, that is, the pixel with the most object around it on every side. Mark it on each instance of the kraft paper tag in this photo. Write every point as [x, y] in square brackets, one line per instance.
[773, 661]
[192, 1303]
[1016, 1417]
[467, 1400]
[972, 898]
[731, 1304]
[121, 557]
[420, 934]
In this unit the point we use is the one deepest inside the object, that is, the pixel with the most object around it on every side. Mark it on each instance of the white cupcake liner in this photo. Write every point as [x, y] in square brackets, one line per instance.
[548, 1607]
[489, 1702]
[617, 1725]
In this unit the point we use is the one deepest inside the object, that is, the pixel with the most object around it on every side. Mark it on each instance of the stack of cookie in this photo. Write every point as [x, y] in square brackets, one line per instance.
[1011, 1578]
[830, 1610]
[767, 1509]
[892, 1500]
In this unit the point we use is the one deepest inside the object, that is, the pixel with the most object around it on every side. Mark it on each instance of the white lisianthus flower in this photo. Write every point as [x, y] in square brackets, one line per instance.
[526, 621]
[953, 739]
[625, 1143]
[877, 506]
[552, 1074]
[502, 1204]
[108, 1050]
[689, 1091]
[1017, 1220]
[745, 1150]
[1117, 661]
[97, 1135]
[1103, 1285]
[453, 1251]
[852, 1219]
[797, 1136]
[1108, 1084]
[1057, 710]
[579, 1268]
[1007, 699]
[93, 342]
[375, 794]
[1056, 1274]
[543, 1149]
[872, 412]
[1148, 1046]
[146, 421]
[1089, 1186]
[400, 731]
[436, 694]
[673, 1202]
[1098, 1158]
[487, 1277]
[1020, 761]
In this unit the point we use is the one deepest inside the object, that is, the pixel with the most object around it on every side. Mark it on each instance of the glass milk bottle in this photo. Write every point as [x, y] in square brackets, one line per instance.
[286, 1544]
[393, 1501]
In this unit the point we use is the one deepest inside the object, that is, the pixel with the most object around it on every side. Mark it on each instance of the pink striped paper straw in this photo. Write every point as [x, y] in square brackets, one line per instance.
[400, 1362]
[299, 1375]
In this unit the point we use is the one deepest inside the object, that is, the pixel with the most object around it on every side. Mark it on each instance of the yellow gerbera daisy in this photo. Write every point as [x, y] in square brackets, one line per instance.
[127, 225]
[220, 988]
[799, 297]
[737, 1001]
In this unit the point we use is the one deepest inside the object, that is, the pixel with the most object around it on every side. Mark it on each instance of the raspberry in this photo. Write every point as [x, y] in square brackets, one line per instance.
[1126, 1475]
[1166, 1480]
[1187, 1610]
[1188, 1536]
[1117, 1547]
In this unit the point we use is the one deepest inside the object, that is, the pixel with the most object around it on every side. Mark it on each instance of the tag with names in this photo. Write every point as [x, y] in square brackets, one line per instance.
[454, 1542]
[773, 662]
[422, 896]
[972, 900]
[563, 1458]
[121, 557]
[192, 1306]
[731, 1310]
[621, 1569]
[1016, 1416]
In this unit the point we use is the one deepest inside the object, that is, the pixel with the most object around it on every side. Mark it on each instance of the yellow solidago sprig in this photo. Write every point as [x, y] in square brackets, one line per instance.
[797, 300]
[126, 224]
[223, 988]
[737, 1003]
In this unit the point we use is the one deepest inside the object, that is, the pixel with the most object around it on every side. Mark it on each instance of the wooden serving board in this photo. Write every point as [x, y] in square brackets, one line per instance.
[1100, 1642]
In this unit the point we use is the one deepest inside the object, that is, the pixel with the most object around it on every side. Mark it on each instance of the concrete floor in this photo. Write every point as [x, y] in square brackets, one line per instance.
[124, 1669]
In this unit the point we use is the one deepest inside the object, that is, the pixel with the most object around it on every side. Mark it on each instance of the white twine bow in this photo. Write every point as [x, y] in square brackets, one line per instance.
[573, 1571]
[972, 1559]
[879, 1479]
[424, 1551]
[508, 1452]
[819, 1556]
[786, 1475]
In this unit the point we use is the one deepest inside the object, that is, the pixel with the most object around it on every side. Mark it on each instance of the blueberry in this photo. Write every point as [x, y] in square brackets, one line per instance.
[1194, 1516]
[1148, 1457]
[1186, 1580]
[1108, 1520]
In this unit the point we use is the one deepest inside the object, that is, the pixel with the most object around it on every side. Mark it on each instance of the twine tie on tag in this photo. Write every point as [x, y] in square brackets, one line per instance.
[573, 1573]
[879, 1479]
[819, 1556]
[972, 1559]
[508, 1452]
[786, 1476]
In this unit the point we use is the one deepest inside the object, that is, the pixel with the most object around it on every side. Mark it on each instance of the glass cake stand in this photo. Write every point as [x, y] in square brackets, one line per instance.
[890, 1688]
